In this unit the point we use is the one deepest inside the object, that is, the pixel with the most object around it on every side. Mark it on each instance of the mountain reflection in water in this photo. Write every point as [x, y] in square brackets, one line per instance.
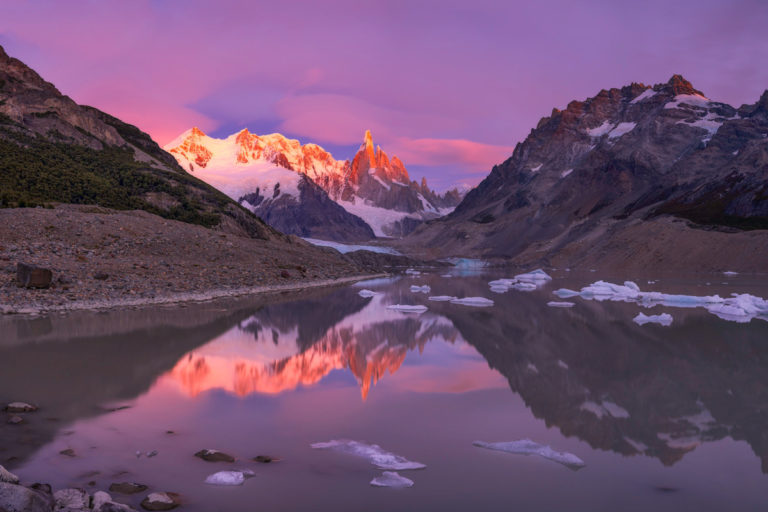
[585, 379]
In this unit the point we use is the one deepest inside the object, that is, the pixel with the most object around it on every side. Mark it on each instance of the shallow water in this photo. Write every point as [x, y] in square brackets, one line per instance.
[664, 418]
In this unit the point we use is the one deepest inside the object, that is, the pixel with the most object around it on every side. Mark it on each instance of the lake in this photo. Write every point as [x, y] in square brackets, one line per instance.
[663, 417]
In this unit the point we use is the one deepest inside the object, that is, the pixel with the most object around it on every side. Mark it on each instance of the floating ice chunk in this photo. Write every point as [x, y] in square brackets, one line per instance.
[377, 456]
[226, 478]
[528, 447]
[556, 304]
[367, 293]
[442, 298]
[391, 479]
[526, 286]
[502, 282]
[499, 289]
[480, 302]
[420, 289]
[536, 275]
[408, 308]
[413, 272]
[565, 293]
[662, 319]
[730, 273]
[446, 275]
[562, 364]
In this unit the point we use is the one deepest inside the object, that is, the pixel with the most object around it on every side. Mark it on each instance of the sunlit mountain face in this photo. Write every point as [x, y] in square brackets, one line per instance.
[266, 355]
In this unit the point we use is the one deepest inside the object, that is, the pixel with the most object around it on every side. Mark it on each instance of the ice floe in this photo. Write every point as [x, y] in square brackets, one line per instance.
[391, 479]
[664, 319]
[408, 308]
[523, 282]
[442, 298]
[478, 302]
[738, 308]
[528, 447]
[228, 477]
[557, 304]
[730, 273]
[413, 272]
[421, 289]
[367, 293]
[376, 455]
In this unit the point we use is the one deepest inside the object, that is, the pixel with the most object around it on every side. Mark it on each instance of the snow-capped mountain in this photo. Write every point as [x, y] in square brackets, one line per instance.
[258, 172]
[296, 187]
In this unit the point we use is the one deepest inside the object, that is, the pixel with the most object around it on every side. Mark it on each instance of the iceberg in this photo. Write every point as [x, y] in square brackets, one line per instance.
[479, 302]
[664, 319]
[420, 289]
[442, 298]
[377, 456]
[556, 304]
[523, 282]
[226, 478]
[391, 479]
[528, 447]
[367, 293]
[535, 276]
[738, 308]
[408, 308]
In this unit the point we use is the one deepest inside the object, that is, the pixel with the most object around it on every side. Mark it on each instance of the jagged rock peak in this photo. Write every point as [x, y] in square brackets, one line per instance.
[196, 132]
[679, 85]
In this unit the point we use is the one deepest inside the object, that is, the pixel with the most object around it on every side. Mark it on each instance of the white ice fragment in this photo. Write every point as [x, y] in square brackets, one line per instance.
[226, 478]
[391, 479]
[367, 293]
[526, 286]
[420, 289]
[499, 289]
[662, 319]
[480, 302]
[442, 298]
[562, 364]
[412, 272]
[535, 276]
[565, 293]
[377, 456]
[556, 304]
[730, 273]
[528, 447]
[408, 308]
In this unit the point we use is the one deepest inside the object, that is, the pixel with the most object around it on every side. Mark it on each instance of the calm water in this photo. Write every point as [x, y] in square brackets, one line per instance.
[665, 418]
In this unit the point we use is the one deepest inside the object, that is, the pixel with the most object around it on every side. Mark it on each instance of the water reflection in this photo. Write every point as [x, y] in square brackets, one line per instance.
[588, 370]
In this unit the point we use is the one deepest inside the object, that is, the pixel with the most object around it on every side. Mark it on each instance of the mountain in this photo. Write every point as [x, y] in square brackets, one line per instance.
[260, 173]
[54, 150]
[303, 190]
[615, 178]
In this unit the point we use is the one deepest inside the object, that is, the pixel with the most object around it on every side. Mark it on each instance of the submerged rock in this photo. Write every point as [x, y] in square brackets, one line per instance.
[31, 276]
[214, 456]
[102, 502]
[69, 452]
[161, 501]
[265, 459]
[127, 487]
[17, 498]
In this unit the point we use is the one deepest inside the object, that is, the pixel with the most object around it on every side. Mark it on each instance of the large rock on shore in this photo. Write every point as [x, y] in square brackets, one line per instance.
[31, 276]
[17, 498]
[8, 477]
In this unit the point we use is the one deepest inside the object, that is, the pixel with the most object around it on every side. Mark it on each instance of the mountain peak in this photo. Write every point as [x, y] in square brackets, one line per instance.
[196, 132]
[368, 139]
[679, 85]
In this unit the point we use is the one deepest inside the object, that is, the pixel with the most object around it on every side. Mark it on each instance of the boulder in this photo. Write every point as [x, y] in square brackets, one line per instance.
[31, 276]
[8, 477]
[71, 500]
[102, 502]
[161, 501]
[17, 498]
[214, 456]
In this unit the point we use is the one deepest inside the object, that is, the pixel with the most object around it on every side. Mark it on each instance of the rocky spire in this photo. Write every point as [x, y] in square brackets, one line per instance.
[679, 85]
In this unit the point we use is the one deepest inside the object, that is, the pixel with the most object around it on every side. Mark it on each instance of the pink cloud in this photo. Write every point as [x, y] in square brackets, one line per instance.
[475, 156]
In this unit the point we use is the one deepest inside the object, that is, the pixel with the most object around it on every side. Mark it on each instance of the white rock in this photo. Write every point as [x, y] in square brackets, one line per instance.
[528, 447]
[377, 456]
[391, 479]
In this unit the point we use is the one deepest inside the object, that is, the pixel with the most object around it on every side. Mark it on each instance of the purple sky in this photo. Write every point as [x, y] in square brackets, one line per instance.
[449, 87]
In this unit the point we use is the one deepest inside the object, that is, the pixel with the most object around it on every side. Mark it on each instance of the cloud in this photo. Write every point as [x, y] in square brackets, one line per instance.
[473, 156]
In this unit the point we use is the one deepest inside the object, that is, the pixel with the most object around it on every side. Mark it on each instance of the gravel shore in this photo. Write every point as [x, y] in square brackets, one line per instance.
[104, 258]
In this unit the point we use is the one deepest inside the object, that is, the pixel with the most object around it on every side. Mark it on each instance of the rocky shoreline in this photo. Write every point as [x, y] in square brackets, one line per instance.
[100, 258]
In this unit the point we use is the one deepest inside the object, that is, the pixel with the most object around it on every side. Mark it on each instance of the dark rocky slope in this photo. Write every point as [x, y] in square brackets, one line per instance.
[612, 164]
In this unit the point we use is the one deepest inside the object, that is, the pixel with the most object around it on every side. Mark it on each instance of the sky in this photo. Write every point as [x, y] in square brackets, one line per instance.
[449, 87]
